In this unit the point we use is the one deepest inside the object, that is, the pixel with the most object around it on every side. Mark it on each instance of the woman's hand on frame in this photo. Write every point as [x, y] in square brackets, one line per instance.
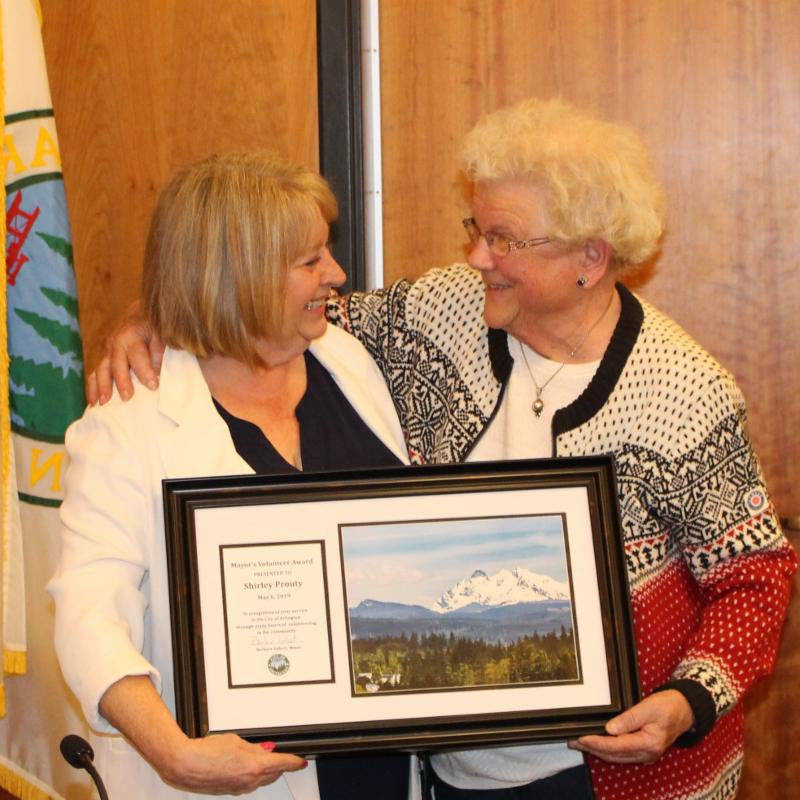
[226, 764]
[641, 734]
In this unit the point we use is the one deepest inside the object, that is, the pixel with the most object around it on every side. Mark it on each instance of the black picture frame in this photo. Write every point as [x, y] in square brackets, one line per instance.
[203, 515]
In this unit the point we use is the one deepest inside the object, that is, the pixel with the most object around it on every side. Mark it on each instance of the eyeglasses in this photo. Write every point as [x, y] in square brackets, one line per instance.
[498, 244]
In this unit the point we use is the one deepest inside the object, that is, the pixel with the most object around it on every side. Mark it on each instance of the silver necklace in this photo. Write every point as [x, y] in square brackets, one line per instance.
[538, 404]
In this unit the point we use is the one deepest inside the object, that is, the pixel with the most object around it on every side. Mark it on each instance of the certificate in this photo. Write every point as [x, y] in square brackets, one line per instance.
[401, 608]
[276, 613]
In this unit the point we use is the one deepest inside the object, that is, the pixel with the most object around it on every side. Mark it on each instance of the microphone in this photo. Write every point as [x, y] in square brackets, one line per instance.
[78, 753]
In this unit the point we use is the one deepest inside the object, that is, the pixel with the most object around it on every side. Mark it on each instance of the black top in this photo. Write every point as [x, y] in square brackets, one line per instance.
[332, 435]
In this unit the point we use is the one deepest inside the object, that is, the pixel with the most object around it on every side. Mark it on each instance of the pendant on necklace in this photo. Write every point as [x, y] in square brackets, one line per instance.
[537, 406]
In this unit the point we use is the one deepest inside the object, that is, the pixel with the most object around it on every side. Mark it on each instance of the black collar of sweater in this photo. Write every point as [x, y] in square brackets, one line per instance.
[584, 407]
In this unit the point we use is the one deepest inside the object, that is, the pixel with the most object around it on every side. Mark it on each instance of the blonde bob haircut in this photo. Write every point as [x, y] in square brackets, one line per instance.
[221, 238]
[597, 176]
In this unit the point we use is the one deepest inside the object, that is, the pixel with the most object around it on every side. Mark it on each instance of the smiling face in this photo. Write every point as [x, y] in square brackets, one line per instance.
[531, 287]
[308, 281]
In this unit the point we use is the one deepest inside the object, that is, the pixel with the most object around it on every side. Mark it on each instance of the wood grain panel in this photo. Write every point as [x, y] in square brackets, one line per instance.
[142, 86]
[712, 86]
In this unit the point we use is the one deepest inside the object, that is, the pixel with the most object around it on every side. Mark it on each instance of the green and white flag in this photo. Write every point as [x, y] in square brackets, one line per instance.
[42, 392]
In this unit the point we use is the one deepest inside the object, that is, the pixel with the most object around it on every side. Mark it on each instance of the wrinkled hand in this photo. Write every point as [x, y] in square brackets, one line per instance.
[641, 734]
[133, 345]
[226, 764]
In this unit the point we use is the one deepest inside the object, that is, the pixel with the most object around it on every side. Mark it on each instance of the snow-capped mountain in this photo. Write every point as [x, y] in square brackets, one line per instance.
[504, 588]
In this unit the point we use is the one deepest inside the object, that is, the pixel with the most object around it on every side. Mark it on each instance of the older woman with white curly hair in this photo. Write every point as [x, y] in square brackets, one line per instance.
[535, 349]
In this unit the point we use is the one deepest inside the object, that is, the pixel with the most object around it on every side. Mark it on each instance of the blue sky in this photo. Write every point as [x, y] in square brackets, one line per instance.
[415, 562]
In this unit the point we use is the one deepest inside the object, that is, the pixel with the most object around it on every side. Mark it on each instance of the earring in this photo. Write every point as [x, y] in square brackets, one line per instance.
[582, 281]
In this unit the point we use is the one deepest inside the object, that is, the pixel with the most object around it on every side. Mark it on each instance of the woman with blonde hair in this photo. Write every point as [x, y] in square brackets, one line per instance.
[538, 350]
[237, 271]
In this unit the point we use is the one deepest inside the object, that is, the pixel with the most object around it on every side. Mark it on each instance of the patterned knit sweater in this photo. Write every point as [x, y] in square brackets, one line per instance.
[709, 569]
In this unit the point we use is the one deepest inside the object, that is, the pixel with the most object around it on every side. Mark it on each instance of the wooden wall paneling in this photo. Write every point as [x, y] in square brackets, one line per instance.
[141, 87]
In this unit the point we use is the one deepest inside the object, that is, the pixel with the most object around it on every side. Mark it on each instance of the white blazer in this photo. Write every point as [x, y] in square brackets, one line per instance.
[110, 589]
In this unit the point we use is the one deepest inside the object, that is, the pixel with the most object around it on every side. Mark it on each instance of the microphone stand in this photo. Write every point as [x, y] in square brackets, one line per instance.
[78, 753]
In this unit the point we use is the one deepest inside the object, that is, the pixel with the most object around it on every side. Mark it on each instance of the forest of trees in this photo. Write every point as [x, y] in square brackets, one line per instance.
[436, 660]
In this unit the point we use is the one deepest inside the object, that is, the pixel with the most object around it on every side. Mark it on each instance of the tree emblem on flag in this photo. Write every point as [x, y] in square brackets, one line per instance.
[45, 354]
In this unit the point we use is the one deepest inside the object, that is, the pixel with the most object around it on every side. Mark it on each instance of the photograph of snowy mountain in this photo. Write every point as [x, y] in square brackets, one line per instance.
[459, 603]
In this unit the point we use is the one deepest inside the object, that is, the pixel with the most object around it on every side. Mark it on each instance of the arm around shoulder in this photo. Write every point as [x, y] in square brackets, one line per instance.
[134, 345]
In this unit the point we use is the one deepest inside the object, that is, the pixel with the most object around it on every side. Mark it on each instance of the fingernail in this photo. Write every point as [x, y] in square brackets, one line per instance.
[267, 745]
[125, 394]
[104, 398]
[152, 384]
